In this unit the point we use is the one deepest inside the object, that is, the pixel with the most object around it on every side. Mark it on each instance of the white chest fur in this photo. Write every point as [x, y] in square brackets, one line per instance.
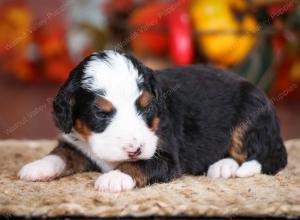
[85, 149]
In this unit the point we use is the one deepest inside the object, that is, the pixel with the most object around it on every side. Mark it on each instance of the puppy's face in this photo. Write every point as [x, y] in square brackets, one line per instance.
[109, 102]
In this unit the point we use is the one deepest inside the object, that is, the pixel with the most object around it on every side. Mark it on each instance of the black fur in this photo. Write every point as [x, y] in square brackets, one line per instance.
[199, 107]
[202, 113]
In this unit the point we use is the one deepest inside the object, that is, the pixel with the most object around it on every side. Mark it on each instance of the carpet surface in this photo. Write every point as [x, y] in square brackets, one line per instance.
[75, 195]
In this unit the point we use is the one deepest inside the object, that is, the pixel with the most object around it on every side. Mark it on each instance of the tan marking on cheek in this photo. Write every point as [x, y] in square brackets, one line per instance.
[104, 104]
[155, 123]
[82, 129]
[144, 99]
[237, 150]
[135, 172]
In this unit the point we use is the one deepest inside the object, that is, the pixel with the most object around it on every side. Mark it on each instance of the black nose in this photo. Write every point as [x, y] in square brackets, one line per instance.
[135, 153]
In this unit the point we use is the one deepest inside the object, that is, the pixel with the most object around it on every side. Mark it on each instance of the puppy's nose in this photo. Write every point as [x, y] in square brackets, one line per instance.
[133, 151]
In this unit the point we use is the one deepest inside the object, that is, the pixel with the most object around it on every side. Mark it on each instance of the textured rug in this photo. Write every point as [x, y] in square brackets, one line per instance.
[75, 195]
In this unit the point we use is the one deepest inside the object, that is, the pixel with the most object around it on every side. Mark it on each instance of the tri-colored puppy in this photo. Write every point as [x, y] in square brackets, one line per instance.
[139, 126]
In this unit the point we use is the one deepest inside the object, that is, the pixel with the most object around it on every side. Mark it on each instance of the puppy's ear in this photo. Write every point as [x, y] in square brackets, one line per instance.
[155, 88]
[63, 105]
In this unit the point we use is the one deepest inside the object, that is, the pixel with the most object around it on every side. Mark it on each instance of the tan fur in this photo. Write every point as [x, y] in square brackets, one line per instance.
[236, 149]
[104, 104]
[155, 123]
[135, 172]
[75, 161]
[144, 99]
[82, 129]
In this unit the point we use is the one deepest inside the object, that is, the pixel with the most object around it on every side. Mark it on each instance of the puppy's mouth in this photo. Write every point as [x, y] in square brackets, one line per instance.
[135, 154]
[133, 158]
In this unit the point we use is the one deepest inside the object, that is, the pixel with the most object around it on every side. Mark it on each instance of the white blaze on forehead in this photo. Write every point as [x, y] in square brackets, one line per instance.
[115, 75]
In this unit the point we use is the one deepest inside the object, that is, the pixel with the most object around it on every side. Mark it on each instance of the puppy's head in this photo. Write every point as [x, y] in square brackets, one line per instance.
[110, 101]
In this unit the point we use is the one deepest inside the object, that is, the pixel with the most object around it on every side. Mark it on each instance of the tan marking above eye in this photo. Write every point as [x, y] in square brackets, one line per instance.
[144, 99]
[82, 129]
[155, 123]
[104, 104]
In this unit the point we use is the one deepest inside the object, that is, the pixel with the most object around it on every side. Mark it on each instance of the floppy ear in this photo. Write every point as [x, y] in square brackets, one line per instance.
[63, 105]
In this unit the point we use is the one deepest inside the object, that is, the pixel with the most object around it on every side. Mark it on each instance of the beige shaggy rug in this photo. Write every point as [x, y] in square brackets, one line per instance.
[261, 195]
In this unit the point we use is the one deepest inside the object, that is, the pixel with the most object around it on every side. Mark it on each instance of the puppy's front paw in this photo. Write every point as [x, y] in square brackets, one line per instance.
[44, 169]
[224, 168]
[114, 181]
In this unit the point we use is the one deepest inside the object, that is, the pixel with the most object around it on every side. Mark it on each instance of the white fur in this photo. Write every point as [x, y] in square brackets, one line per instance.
[224, 168]
[44, 169]
[118, 78]
[114, 181]
[228, 167]
[85, 148]
[249, 168]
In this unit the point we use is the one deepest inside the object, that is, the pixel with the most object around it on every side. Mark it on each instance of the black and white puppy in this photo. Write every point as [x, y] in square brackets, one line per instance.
[139, 126]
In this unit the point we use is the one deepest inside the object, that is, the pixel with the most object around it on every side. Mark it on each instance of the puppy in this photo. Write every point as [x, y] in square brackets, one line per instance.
[139, 126]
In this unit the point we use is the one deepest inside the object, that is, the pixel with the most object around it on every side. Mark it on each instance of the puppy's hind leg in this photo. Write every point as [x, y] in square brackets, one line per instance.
[265, 150]
[256, 144]
[258, 147]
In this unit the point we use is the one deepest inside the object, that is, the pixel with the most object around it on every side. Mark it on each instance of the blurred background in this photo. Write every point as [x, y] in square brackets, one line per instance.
[41, 41]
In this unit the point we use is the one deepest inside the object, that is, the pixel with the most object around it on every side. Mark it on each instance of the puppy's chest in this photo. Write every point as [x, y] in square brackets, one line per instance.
[85, 149]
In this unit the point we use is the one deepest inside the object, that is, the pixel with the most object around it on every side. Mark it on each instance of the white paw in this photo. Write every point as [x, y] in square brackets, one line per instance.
[224, 168]
[249, 168]
[44, 169]
[114, 181]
